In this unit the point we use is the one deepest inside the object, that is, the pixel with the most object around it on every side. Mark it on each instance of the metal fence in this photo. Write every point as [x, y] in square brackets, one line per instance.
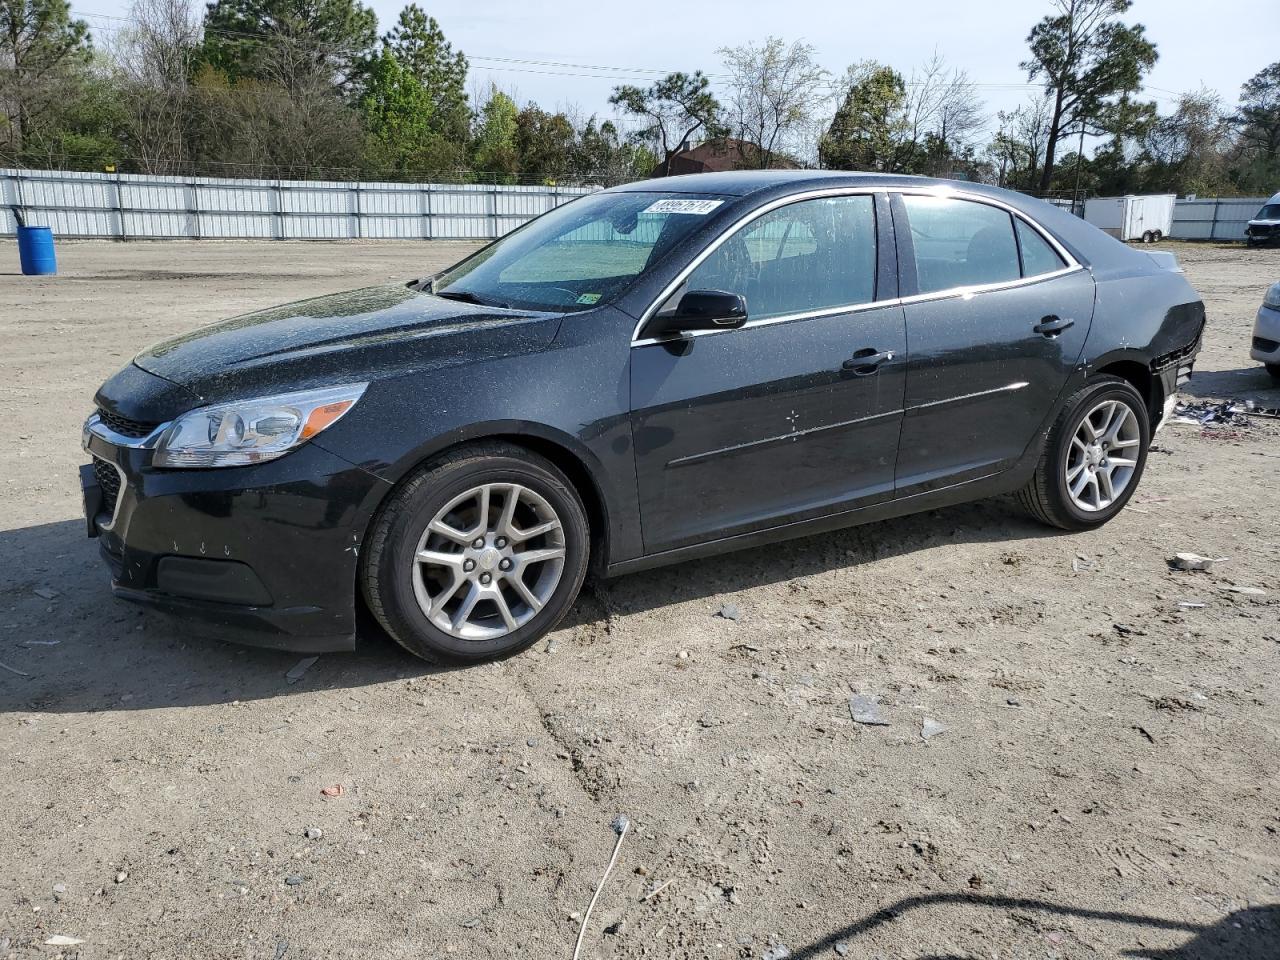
[1213, 218]
[130, 206]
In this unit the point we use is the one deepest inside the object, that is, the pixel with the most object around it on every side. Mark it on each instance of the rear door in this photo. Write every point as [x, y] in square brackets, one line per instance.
[997, 321]
[740, 430]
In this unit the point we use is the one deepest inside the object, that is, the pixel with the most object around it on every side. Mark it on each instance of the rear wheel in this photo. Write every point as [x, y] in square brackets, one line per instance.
[1093, 457]
[477, 555]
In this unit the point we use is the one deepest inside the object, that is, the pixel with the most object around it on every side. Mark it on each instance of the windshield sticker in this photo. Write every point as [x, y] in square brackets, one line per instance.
[589, 298]
[697, 208]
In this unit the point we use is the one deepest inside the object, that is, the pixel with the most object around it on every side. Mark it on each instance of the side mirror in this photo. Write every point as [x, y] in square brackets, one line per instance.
[705, 310]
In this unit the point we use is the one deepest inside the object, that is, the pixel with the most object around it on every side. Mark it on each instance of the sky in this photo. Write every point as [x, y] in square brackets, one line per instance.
[571, 53]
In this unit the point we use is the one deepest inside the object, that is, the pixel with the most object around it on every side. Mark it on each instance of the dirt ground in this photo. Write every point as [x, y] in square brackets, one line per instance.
[1106, 784]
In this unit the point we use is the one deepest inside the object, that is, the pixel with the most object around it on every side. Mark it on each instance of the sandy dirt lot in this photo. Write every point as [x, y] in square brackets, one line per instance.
[1106, 784]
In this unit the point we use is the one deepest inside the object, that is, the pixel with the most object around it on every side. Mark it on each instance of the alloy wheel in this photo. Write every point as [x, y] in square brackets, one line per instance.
[1103, 456]
[489, 561]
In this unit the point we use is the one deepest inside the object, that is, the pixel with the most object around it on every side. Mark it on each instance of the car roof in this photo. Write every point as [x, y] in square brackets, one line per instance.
[741, 183]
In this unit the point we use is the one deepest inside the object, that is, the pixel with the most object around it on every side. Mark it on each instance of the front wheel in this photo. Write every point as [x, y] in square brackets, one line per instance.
[477, 555]
[1093, 457]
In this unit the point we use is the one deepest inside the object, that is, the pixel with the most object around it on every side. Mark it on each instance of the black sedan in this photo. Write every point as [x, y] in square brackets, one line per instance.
[651, 373]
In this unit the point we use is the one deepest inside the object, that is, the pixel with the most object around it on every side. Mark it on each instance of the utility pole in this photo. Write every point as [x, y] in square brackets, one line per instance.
[1079, 168]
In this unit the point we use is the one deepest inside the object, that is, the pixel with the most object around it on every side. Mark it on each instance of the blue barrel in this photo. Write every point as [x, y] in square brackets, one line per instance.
[35, 250]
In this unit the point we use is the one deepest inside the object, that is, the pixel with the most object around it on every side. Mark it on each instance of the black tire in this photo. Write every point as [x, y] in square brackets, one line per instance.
[1045, 496]
[1274, 370]
[388, 567]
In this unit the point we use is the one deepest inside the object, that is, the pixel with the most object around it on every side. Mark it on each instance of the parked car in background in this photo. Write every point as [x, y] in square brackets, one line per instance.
[661, 371]
[1266, 332]
[1265, 227]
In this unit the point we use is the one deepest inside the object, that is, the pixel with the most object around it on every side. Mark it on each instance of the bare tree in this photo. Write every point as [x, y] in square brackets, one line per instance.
[155, 54]
[1017, 150]
[775, 89]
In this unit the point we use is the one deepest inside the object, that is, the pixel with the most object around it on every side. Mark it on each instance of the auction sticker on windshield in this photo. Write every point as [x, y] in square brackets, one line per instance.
[699, 208]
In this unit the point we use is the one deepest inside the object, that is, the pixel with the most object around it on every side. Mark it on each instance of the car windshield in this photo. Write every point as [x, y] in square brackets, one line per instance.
[579, 255]
[1270, 212]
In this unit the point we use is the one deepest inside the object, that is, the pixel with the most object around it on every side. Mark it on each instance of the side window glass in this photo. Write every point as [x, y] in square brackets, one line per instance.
[805, 256]
[1037, 256]
[959, 243]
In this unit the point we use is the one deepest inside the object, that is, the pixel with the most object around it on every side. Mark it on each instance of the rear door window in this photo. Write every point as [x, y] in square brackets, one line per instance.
[807, 256]
[960, 243]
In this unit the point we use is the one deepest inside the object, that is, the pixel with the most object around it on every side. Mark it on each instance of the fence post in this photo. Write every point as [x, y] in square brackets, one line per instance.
[1213, 229]
[278, 219]
[124, 231]
[193, 206]
[428, 227]
[355, 204]
[493, 208]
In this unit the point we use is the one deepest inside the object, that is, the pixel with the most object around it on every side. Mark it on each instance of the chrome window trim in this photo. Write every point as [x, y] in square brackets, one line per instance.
[1072, 264]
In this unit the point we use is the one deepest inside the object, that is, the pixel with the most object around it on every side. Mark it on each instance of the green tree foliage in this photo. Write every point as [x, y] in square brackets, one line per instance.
[43, 53]
[404, 128]
[495, 150]
[870, 124]
[1088, 60]
[545, 144]
[299, 45]
[1258, 122]
[419, 45]
[602, 155]
[673, 111]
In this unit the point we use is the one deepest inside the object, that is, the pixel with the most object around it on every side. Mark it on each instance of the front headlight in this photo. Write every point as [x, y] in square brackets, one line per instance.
[1273, 297]
[252, 431]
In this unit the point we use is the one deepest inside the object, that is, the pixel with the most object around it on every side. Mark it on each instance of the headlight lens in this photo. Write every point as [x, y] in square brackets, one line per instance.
[252, 431]
[1273, 297]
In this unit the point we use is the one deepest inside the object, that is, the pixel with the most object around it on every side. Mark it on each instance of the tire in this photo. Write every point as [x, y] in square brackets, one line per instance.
[403, 592]
[1274, 370]
[1047, 495]
[1157, 236]
[1147, 237]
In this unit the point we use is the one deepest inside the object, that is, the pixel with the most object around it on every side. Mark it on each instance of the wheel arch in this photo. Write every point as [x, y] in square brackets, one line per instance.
[1134, 368]
[570, 456]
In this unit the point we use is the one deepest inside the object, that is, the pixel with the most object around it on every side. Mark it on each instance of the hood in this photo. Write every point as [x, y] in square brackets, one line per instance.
[367, 334]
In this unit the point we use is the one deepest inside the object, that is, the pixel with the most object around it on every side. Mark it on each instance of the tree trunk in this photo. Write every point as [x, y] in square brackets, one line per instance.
[1051, 145]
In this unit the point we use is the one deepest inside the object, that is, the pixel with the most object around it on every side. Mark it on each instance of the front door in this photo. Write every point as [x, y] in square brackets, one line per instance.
[740, 430]
[991, 347]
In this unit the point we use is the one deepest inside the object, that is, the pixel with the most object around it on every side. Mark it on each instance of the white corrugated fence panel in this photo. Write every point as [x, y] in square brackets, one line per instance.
[137, 206]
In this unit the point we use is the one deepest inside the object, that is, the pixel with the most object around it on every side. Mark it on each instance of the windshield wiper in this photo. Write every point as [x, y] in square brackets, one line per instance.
[466, 296]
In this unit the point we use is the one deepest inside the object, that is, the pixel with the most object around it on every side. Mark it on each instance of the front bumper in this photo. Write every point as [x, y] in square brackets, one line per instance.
[1266, 336]
[264, 555]
[1258, 233]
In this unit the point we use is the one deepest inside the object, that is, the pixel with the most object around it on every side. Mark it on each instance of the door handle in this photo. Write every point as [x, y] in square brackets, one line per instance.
[1052, 326]
[867, 361]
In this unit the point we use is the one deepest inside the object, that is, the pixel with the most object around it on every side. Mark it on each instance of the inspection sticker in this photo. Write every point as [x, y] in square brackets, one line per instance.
[589, 298]
[698, 208]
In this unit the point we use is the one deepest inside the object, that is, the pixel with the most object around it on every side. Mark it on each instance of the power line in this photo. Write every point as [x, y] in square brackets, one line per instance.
[586, 70]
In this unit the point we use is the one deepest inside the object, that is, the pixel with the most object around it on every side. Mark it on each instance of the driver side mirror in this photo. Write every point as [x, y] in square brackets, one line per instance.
[704, 310]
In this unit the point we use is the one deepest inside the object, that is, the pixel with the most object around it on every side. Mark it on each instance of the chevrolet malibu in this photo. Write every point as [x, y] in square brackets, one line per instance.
[651, 373]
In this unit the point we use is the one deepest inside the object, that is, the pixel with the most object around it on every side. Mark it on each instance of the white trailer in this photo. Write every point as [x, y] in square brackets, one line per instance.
[1145, 218]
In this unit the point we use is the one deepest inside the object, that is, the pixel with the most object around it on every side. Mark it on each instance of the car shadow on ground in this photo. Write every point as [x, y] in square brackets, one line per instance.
[1247, 383]
[66, 645]
[1249, 934]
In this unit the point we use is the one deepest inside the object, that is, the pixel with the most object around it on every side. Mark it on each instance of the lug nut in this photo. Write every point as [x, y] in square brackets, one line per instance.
[479, 544]
[468, 565]
[500, 542]
[485, 578]
[504, 564]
